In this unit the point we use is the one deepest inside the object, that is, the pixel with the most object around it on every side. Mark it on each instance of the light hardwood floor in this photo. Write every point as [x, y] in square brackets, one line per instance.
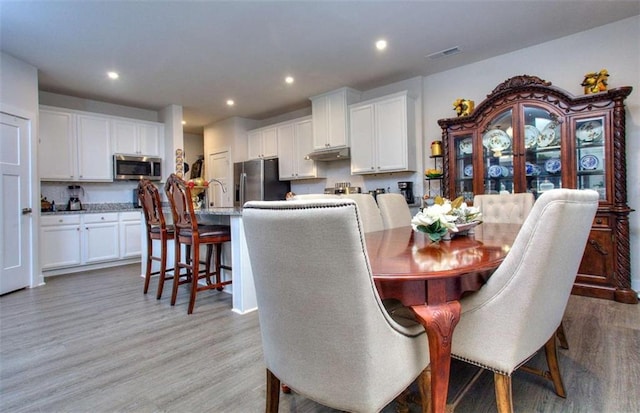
[93, 342]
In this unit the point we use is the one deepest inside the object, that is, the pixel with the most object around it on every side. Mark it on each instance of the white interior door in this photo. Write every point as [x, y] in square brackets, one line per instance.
[15, 207]
[219, 167]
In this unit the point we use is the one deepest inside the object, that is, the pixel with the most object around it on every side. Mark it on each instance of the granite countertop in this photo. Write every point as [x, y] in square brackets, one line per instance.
[127, 207]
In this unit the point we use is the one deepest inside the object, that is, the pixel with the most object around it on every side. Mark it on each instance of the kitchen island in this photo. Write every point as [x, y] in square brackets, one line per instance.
[242, 289]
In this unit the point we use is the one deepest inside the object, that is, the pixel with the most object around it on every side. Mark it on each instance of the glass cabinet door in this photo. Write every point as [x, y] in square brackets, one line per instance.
[497, 161]
[590, 154]
[542, 150]
[463, 165]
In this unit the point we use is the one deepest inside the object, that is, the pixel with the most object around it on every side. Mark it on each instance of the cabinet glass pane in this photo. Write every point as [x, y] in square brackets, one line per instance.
[542, 143]
[497, 143]
[590, 155]
[463, 145]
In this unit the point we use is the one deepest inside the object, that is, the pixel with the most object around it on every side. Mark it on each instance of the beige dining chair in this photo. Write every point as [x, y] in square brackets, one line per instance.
[394, 210]
[521, 306]
[325, 331]
[369, 211]
[504, 208]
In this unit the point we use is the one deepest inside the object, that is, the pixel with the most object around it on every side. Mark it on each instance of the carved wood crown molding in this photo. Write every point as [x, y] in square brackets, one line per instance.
[518, 82]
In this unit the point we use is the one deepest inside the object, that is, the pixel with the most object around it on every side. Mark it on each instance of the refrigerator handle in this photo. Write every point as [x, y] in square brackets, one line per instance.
[243, 179]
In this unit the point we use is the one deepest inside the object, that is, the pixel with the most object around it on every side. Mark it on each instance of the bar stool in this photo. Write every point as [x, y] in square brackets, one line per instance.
[157, 229]
[192, 235]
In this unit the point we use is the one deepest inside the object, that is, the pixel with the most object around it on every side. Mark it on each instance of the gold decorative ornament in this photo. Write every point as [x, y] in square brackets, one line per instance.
[463, 107]
[595, 82]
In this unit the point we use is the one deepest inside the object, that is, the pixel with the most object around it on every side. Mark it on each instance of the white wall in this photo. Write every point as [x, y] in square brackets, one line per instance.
[563, 62]
[94, 106]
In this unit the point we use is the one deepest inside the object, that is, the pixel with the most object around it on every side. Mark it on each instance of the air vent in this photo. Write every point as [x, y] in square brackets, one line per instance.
[444, 53]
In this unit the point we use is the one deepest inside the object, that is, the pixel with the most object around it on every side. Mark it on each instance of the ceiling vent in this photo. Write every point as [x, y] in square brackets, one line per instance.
[443, 53]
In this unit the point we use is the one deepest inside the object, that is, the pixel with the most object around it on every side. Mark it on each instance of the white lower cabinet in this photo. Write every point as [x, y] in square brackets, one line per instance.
[74, 241]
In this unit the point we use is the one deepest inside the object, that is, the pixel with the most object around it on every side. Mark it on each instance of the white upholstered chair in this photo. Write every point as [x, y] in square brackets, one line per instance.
[369, 212]
[394, 210]
[518, 310]
[325, 332]
[506, 208]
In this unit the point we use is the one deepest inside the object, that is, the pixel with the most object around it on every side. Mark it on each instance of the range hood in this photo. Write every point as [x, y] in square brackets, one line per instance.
[335, 154]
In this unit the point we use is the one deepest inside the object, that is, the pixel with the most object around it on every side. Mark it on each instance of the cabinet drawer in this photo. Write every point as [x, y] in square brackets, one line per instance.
[131, 216]
[49, 220]
[601, 221]
[96, 218]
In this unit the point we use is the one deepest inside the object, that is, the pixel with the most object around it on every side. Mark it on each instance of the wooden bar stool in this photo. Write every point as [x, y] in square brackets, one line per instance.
[192, 235]
[157, 229]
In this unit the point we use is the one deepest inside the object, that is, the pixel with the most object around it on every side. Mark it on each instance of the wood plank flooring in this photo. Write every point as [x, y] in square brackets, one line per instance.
[92, 342]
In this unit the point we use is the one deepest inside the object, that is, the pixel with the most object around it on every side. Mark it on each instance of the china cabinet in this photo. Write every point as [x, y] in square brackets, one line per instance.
[262, 143]
[331, 118]
[382, 135]
[529, 136]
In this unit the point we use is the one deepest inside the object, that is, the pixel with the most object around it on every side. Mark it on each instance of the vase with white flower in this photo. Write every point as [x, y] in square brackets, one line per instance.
[445, 218]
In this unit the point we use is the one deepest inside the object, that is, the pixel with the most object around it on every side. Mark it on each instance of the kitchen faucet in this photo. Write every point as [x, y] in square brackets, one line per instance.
[224, 190]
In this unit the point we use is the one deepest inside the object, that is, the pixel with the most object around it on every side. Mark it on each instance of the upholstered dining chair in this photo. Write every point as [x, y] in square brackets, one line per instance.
[156, 229]
[369, 211]
[192, 235]
[520, 307]
[394, 210]
[325, 332]
[511, 209]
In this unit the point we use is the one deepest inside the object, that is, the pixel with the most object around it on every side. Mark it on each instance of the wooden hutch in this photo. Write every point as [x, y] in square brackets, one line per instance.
[528, 135]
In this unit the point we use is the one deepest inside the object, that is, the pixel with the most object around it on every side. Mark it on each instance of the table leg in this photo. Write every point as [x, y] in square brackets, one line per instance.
[439, 321]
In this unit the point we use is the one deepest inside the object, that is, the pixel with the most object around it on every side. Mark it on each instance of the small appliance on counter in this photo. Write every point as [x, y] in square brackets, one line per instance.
[343, 188]
[406, 189]
[74, 203]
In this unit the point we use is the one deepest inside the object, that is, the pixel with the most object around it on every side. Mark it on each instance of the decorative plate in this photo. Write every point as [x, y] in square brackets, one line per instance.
[549, 134]
[468, 170]
[495, 171]
[531, 134]
[589, 131]
[466, 146]
[553, 165]
[531, 169]
[589, 162]
[496, 140]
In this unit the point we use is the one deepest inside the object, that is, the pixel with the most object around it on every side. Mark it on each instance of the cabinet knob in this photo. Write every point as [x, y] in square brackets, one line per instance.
[599, 221]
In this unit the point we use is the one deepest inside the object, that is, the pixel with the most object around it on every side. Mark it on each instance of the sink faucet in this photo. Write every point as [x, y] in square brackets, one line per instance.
[224, 190]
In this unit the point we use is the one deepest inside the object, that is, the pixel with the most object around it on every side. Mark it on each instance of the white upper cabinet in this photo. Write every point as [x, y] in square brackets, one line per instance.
[262, 143]
[74, 146]
[295, 141]
[382, 135]
[137, 137]
[331, 118]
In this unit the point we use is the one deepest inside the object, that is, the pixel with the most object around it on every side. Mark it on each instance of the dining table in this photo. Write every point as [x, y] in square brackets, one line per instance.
[431, 277]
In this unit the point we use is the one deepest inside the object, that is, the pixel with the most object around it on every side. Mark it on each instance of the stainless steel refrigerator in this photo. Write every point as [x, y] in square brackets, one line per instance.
[258, 180]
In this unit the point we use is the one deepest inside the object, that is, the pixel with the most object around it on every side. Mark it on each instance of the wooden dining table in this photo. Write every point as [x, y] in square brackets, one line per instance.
[431, 277]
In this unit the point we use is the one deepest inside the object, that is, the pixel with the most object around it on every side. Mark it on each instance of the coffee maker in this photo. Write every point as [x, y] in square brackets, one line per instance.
[74, 203]
[406, 189]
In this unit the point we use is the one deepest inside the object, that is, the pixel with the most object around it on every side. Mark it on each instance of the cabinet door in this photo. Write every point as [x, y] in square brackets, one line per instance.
[150, 139]
[337, 119]
[254, 144]
[56, 145]
[496, 170]
[60, 246]
[125, 137]
[306, 168]
[320, 113]
[362, 130]
[130, 239]
[286, 152]
[461, 159]
[94, 148]
[101, 242]
[391, 134]
[270, 143]
[592, 164]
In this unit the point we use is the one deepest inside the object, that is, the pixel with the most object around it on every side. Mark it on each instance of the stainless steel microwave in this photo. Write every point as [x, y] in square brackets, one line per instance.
[132, 167]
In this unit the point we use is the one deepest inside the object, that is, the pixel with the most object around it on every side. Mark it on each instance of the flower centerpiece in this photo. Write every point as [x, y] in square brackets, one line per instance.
[444, 217]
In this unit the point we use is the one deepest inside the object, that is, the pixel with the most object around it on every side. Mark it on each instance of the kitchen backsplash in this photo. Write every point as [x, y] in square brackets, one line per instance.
[92, 193]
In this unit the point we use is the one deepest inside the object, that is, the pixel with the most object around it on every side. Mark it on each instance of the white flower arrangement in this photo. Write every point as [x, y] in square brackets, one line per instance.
[444, 216]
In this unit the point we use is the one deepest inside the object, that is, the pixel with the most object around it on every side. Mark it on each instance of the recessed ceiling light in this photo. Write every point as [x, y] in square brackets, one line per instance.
[113, 75]
[230, 102]
[289, 79]
[184, 122]
[381, 44]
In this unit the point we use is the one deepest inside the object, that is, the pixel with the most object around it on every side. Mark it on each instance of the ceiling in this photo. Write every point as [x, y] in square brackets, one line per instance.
[198, 54]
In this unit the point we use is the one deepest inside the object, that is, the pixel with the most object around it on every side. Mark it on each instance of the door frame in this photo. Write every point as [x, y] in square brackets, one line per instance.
[208, 167]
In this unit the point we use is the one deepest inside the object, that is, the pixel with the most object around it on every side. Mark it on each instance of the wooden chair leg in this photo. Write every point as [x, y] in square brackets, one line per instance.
[176, 273]
[273, 393]
[147, 275]
[562, 337]
[504, 397]
[195, 264]
[163, 268]
[551, 352]
[424, 384]
[207, 264]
